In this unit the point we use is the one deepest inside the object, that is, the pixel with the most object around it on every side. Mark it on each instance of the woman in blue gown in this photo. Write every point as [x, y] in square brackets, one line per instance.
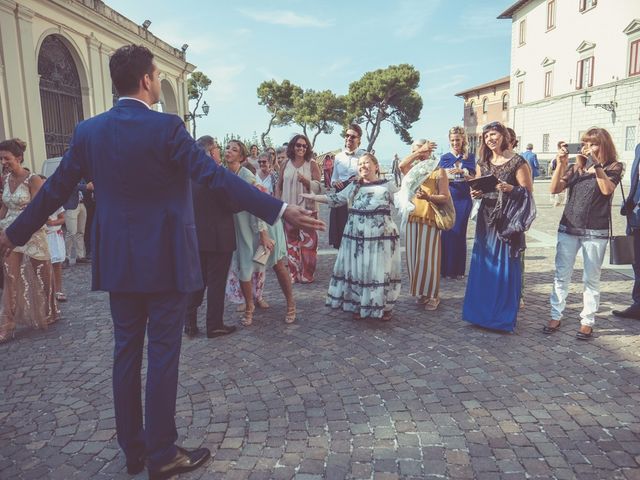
[492, 297]
[459, 164]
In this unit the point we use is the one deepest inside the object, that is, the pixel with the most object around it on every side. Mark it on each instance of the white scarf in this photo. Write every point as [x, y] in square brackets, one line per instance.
[410, 185]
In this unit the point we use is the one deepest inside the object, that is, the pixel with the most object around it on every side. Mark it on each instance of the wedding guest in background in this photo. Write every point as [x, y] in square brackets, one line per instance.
[327, 168]
[27, 297]
[631, 210]
[366, 274]
[215, 230]
[252, 159]
[584, 225]
[557, 198]
[492, 297]
[299, 174]
[460, 165]
[532, 158]
[423, 249]
[265, 175]
[345, 170]
[55, 242]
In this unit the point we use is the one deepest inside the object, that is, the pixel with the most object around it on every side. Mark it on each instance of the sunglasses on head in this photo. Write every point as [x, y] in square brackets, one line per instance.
[493, 126]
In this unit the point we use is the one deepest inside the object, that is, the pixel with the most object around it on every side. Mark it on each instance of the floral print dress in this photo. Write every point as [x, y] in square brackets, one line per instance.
[366, 275]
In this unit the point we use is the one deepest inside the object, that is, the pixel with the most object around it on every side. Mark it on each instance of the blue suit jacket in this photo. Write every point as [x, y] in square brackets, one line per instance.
[141, 162]
[629, 206]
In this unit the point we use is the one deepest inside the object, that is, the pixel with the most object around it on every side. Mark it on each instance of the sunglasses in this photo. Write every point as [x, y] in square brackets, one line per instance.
[348, 136]
[301, 145]
[492, 126]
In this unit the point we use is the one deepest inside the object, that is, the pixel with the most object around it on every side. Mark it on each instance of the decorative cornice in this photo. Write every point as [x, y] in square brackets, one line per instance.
[519, 73]
[633, 27]
[93, 42]
[25, 13]
[547, 62]
[585, 46]
[9, 6]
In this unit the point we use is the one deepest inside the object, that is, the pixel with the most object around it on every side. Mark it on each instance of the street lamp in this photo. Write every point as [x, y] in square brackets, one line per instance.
[191, 116]
[609, 107]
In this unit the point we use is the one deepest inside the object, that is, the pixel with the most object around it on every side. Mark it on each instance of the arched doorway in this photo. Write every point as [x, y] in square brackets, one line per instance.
[168, 101]
[60, 94]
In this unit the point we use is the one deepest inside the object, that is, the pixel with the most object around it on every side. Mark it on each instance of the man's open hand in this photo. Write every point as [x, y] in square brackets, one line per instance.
[302, 218]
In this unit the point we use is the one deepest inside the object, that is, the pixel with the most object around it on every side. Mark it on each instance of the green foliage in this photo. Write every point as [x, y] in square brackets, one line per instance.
[318, 112]
[279, 99]
[389, 95]
[197, 84]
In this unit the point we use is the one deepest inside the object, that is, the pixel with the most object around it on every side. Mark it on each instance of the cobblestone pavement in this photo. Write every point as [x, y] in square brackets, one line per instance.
[424, 396]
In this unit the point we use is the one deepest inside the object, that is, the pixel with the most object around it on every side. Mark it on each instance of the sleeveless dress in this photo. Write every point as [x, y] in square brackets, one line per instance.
[27, 297]
[302, 246]
[492, 297]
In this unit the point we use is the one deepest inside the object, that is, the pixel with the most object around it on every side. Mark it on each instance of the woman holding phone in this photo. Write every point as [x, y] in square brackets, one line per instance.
[492, 297]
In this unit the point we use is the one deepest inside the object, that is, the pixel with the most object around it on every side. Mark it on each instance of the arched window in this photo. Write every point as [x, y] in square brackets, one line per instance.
[60, 94]
[485, 105]
[505, 101]
[471, 108]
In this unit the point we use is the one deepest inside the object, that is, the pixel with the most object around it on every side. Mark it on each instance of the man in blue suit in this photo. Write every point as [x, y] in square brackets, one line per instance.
[145, 250]
[631, 209]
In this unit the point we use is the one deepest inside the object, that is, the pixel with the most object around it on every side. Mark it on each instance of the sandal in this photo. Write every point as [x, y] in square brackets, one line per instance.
[7, 336]
[421, 300]
[386, 316]
[585, 335]
[61, 297]
[262, 303]
[432, 304]
[247, 318]
[548, 330]
[291, 315]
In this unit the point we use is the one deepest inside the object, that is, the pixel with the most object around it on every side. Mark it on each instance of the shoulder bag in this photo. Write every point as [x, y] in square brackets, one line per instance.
[621, 249]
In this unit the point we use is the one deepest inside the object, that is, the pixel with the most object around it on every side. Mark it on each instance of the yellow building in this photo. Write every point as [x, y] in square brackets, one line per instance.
[484, 104]
[54, 69]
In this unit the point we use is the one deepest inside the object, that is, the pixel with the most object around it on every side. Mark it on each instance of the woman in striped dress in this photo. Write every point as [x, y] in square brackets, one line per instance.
[423, 247]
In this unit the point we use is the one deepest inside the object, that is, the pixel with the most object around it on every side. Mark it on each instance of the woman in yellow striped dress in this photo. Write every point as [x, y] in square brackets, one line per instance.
[423, 249]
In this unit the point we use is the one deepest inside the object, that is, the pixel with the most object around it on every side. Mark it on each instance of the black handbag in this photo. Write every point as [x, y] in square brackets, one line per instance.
[621, 248]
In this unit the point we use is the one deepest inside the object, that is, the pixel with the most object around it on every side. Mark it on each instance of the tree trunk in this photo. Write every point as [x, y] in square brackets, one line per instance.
[264, 134]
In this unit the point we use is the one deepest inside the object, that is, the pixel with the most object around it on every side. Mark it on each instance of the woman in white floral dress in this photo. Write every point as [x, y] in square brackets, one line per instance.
[28, 291]
[366, 275]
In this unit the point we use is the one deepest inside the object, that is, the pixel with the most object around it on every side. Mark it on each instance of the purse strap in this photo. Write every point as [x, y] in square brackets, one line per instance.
[624, 201]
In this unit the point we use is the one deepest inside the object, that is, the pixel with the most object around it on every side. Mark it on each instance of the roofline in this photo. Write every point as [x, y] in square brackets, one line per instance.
[494, 83]
[508, 13]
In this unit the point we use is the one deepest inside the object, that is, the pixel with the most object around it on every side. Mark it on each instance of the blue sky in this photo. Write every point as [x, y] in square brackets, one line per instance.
[327, 45]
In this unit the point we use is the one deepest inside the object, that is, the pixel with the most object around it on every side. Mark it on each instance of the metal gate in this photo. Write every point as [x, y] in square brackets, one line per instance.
[60, 95]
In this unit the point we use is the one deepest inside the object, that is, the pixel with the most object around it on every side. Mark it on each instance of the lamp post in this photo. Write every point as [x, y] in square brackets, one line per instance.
[585, 98]
[191, 116]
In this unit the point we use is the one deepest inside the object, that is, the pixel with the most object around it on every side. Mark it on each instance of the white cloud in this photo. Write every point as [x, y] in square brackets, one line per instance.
[412, 16]
[447, 88]
[224, 86]
[286, 18]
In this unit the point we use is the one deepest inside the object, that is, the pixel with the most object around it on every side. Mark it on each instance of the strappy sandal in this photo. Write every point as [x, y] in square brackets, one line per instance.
[262, 303]
[291, 315]
[421, 300]
[548, 330]
[432, 304]
[247, 318]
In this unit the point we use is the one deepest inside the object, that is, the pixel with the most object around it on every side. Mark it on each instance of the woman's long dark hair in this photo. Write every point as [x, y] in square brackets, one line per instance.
[291, 148]
[485, 152]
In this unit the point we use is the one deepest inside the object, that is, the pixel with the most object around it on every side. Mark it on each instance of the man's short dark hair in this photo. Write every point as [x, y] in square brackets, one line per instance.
[128, 65]
[356, 128]
[206, 141]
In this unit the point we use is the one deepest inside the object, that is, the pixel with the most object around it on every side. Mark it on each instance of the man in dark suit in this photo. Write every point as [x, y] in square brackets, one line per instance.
[145, 251]
[216, 243]
[631, 209]
[75, 221]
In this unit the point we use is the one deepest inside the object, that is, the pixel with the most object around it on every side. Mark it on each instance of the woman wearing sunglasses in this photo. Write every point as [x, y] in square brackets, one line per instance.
[300, 174]
[492, 297]
[584, 225]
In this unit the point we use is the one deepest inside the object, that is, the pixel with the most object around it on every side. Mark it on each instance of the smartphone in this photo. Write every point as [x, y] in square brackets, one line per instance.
[574, 148]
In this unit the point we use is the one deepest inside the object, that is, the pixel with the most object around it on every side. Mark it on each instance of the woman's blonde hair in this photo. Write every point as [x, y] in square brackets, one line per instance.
[457, 130]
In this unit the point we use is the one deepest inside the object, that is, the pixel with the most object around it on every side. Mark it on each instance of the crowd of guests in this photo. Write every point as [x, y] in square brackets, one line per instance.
[236, 248]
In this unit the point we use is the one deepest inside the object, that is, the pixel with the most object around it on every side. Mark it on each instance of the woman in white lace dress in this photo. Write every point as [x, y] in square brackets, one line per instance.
[366, 275]
[28, 291]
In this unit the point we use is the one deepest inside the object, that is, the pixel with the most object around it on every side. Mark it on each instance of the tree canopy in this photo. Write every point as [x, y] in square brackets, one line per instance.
[197, 84]
[389, 95]
[279, 99]
[318, 112]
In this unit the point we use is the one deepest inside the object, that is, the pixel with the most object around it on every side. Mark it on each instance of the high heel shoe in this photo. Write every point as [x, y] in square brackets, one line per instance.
[247, 318]
[291, 315]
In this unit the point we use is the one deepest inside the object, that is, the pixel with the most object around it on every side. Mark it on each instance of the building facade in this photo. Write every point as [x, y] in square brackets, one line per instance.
[575, 64]
[54, 69]
[484, 104]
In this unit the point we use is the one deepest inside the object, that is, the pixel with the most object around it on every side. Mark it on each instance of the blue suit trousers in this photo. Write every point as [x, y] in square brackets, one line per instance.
[162, 316]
